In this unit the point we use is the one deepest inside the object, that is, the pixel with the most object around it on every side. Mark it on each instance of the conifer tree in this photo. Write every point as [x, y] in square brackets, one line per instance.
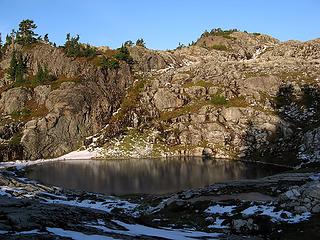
[26, 34]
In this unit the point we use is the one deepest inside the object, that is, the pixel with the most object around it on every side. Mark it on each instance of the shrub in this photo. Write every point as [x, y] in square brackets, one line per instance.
[43, 75]
[74, 48]
[220, 47]
[123, 55]
[109, 63]
[218, 100]
[22, 113]
[140, 42]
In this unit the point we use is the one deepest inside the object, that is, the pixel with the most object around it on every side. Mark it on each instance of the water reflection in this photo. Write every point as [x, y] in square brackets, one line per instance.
[152, 176]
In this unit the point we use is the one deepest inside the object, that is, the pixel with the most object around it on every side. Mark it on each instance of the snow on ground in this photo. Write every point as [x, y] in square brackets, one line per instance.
[76, 235]
[281, 215]
[106, 206]
[219, 209]
[266, 210]
[3, 191]
[167, 233]
[218, 224]
[315, 177]
[83, 154]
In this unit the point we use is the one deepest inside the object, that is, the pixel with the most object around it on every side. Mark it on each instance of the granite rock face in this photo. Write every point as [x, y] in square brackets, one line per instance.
[251, 98]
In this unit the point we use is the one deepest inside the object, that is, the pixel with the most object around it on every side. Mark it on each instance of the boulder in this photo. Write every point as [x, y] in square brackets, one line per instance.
[14, 100]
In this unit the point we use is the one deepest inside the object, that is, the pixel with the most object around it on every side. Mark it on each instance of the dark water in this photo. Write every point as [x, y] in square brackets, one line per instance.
[151, 176]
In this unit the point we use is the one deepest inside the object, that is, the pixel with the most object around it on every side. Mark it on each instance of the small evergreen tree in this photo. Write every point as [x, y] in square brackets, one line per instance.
[140, 42]
[26, 34]
[43, 75]
[13, 66]
[46, 38]
[18, 67]
[72, 46]
[124, 55]
[128, 43]
[109, 63]
[8, 40]
[88, 51]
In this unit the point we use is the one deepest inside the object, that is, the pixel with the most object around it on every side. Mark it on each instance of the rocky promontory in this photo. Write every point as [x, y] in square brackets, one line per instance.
[230, 94]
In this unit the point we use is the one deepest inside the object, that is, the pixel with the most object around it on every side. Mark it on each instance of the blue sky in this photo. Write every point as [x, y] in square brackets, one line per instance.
[162, 23]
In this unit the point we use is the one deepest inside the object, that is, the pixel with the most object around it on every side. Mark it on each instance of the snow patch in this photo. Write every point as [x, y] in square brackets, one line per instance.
[218, 224]
[76, 235]
[219, 209]
[167, 233]
[83, 154]
[106, 206]
[281, 215]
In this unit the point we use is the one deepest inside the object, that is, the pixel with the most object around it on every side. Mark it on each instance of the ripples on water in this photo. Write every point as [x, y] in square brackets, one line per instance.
[151, 176]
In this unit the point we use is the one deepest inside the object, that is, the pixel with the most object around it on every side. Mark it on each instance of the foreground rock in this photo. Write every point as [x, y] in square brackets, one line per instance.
[259, 209]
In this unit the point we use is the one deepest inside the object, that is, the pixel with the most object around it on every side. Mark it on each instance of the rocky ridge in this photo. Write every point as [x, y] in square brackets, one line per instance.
[249, 98]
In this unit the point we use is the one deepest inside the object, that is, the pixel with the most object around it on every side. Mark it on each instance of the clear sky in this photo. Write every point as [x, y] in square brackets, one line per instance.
[162, 23]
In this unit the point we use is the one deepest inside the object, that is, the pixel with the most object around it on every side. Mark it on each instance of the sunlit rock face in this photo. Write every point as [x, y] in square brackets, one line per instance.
[236, 94]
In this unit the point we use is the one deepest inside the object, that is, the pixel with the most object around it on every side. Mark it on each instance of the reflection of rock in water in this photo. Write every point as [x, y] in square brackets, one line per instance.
[144, 175]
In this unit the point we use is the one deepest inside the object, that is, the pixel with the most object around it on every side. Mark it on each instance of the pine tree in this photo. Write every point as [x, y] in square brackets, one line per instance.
[18, 67]
[13, 66]
[26, 34]
[140, 42]
[46, 38]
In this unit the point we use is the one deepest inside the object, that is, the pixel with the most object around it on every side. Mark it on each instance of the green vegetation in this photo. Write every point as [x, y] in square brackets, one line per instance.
[113, 58]
[109, 63]
[219, 32]
[128, 43]
[189, 108]
[18, 67]
[25, 112]
[129, 101]
[180, 46]
[200, 83]
[26, 34]
[16, 139]
[219, 47]
[218, 100]
[123, 55]
[46, 38]
[74, 48]
[140, 42]
[43, 75]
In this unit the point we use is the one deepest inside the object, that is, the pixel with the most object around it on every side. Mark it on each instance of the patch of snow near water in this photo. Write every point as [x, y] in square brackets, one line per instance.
[106, 206]
[166, 233]
[276, 215]
[83, 154]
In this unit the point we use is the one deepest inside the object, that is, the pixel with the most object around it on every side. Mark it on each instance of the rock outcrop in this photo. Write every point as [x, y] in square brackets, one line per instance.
[251, 97]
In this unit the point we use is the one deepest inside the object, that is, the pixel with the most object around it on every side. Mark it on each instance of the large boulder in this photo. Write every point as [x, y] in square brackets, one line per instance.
[14, 100]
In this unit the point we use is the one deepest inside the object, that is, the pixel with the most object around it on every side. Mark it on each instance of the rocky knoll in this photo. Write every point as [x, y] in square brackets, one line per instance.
[230, 94]
[56, 117]
[206, 101]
